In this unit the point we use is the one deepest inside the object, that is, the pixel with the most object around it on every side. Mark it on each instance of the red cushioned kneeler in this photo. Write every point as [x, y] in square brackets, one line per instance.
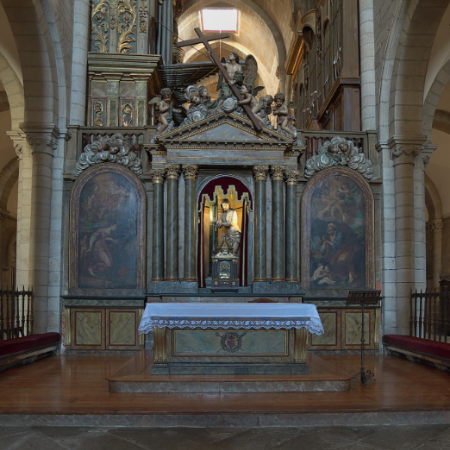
[440, 349]
[27, 343]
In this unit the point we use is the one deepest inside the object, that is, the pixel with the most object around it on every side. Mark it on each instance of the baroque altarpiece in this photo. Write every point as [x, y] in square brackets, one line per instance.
[175, 193]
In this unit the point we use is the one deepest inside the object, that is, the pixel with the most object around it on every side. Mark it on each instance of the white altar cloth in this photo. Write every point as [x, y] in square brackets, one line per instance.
[231, 315]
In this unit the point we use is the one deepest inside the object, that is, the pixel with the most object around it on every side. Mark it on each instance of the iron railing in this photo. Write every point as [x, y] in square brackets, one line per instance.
[16, 313]
[430, 315]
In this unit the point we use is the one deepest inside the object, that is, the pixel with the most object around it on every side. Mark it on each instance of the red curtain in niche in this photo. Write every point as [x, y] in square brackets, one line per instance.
[224, 182]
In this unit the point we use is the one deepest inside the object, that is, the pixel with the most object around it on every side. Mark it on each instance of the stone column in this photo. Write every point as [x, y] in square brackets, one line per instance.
[403, 153]
[158, 225]
[172, 174]
[292, 246]
[278, 224]
[436, 227]
[260, 173]
[190, 223]
[43, 140]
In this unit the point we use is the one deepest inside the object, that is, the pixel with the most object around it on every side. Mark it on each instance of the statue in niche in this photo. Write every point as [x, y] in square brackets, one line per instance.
[284, 119]
[98, 111]
[127, 116]
[232, 237]
[164, 103]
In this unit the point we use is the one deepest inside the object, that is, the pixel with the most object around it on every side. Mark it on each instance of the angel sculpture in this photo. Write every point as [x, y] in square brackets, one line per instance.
[284, 118]
[197, 110]
[251, 100]
[164, 103]
[237, 73]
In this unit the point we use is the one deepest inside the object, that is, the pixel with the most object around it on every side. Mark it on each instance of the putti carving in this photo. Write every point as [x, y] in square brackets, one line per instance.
[107, 16]
[339, 152]
[109, 149]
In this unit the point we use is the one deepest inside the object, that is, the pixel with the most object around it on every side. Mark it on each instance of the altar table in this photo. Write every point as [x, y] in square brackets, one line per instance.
[230, 338]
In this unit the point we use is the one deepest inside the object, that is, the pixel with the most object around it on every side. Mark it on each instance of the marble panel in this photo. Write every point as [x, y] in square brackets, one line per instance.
[122, 328]
[330, 326]
[353, 328]
[88, 328]
[239, 342]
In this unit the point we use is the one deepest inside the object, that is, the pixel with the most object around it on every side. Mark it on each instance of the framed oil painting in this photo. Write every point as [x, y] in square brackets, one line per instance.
[337, 231]
[107, 230]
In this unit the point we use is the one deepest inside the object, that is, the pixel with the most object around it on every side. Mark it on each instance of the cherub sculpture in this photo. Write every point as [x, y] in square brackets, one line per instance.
[251, 100]
[197, 110]
[284, 118]
[237, 73]
[164, 102]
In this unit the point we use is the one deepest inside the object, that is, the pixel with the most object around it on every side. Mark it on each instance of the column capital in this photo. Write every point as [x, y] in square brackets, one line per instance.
[42, 137]
[435, 225]
[404, 149]
[260, 172]
[292, 177]
[425, 153]
[277, 173]
[18, 139]
[173, 171]
[157, 176]
[190, 171]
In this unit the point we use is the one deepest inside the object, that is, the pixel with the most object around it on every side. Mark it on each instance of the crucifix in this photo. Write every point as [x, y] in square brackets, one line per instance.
[202, 39]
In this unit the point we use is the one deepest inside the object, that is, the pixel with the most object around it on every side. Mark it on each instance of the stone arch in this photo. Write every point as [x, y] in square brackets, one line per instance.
[433, 97]
[14, 92]
[38, 44]
[8, 177]
[433, 199]
[280, 43]
[419, 23]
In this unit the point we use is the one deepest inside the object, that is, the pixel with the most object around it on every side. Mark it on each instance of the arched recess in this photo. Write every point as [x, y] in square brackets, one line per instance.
[8, 177]
[260, 11]
[420, 23]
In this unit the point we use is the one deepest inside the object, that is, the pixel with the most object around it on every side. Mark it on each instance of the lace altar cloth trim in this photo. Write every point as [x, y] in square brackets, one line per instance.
[241, 316]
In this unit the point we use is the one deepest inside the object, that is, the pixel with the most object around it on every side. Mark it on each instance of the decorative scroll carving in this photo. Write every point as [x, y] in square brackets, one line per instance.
[143, 17]
[115, 16]
[260, 172]
[339, 152]
[111, 149]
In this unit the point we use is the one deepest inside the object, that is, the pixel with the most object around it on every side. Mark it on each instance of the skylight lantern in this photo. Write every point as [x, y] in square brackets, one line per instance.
[220, 19]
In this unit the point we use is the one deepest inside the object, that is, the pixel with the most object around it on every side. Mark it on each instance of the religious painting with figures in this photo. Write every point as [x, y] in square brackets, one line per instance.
[337, 231]
[107, 228]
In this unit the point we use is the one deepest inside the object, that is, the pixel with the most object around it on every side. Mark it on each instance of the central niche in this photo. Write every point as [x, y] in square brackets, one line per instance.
[224, 205]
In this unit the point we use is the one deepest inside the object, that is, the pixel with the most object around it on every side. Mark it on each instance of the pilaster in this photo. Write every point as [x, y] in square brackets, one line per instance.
[158, 224]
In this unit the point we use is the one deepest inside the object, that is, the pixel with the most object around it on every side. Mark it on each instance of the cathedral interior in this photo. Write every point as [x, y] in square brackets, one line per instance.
[225, 152]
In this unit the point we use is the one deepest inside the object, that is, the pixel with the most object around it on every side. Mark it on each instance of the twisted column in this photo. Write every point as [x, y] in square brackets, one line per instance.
[158, 224]
[291, 220]
[260, 174]
[172, 175]
[190, 222]
[278, 224]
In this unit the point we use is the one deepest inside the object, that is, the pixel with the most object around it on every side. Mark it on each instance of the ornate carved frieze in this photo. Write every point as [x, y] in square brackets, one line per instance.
[109, 149]
[172, 171]
[190, 172]
[339, 152]
[260, 172]
[158, 176]
[114, 25]
[277, 173]
[292, 177]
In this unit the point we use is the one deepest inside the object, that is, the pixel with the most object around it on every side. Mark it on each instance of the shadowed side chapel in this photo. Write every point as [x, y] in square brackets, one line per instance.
[189, 190]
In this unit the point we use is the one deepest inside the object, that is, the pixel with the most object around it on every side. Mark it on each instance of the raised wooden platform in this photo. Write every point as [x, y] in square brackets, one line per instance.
[135, 377]
[74, 391]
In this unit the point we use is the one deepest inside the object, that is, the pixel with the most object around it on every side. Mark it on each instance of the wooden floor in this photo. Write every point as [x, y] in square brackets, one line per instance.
[78, 385]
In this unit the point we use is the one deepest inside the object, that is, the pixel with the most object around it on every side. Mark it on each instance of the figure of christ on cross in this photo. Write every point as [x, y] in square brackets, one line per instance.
[202, 39]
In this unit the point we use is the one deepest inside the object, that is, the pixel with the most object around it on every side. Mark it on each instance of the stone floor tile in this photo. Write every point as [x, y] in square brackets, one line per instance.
[335, 434]
[159, 438]
[30, 440]
[358, 445]
[403, 437]
[8, 431]
[92, 439]
[210, 435]
[259, 438]
[314, 441]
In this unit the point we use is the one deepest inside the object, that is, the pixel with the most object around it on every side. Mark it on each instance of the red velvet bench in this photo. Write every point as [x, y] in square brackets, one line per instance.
[424, 351]
[25, 350]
